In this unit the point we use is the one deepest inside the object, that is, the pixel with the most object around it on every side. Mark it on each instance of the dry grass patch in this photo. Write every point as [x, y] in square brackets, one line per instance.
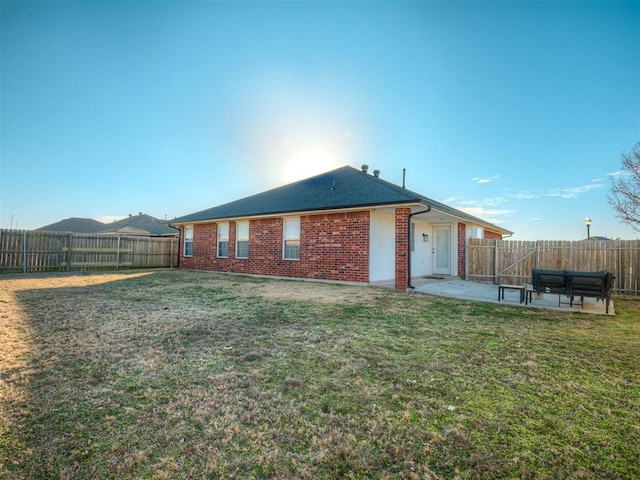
[175, 374]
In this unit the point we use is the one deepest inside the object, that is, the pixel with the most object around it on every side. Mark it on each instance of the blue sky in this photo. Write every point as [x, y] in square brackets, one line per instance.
[516, 112]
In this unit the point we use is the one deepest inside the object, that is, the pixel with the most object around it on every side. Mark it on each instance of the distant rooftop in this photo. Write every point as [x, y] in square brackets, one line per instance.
[74, 225]
[140, 224]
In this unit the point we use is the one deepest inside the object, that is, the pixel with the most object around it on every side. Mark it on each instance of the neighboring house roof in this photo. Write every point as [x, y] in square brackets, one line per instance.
[74, 225]
[343, 188]
[141, 224]
[598, 239]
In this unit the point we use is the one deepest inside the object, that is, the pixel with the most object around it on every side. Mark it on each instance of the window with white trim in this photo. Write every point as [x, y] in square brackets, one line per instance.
[223, 240]
[291, 239]
[188, 241]
[475, 232]
[242, 240]
[412, 237]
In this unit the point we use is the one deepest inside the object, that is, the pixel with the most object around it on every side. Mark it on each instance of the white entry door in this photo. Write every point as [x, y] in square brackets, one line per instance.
[420, 249]
[442, 250]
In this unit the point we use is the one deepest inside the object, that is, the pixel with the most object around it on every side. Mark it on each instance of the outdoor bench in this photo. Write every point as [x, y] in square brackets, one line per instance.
[521, 289]
[574, 284]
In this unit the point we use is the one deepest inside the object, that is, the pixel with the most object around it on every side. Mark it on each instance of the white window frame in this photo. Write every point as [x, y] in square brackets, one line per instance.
[188, 241]
[412, 237]
[475, 231]
[291, 236]
[223, 238]
[242, 237]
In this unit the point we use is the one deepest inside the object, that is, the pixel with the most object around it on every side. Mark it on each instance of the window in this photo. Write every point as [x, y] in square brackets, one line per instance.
[412, 236]
[188, 241]
[223, 240]
[475, 232]
[292, 239]
[242, 240]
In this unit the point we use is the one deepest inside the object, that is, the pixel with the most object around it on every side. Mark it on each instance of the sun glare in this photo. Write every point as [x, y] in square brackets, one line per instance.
[307, 163]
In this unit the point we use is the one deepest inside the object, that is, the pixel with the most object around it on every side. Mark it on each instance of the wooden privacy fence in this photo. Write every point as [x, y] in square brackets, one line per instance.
[36, 251]
[511, 261]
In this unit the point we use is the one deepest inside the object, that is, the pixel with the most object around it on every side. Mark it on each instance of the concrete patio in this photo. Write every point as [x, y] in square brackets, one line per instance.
[454, 287]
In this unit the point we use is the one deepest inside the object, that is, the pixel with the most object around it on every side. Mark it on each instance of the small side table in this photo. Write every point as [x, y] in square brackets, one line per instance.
[521, 289]
[529, 291]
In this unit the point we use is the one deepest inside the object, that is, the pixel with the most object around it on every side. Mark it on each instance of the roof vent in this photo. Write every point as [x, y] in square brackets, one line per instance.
[365, 168]
[376, 173]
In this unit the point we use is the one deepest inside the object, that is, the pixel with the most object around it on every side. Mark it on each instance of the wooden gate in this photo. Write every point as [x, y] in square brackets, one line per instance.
[511, 261]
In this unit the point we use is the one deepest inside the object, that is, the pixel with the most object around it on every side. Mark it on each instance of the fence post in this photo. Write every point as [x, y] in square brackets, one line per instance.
[69, 252]
[25, 263]
[466, 258]
[495, 262]
[619, 268]
[118, 254]
[171, 254]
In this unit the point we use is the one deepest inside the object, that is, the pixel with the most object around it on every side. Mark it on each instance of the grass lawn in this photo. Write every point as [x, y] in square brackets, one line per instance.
[176, 374]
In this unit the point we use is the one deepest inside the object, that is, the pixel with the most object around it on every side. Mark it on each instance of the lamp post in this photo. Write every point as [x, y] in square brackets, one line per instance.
[587, 222]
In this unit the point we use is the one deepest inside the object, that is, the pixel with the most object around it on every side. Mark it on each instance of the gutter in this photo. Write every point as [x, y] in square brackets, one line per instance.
[409, 245]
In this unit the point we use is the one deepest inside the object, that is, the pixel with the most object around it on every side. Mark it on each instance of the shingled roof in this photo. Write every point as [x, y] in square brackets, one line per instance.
[343, 188]
[74, 225]
[141, 224]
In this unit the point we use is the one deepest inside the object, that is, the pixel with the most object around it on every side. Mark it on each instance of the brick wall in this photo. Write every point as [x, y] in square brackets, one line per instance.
[333, 246]
[492, 235]
[462, 250]
[204, 250]
[336, 246]
[402, 248]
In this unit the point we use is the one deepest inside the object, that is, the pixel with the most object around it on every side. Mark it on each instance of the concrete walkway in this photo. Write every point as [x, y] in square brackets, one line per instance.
[453, 287]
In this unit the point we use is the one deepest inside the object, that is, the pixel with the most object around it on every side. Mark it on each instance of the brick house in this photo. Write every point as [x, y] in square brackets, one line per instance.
[343, 225]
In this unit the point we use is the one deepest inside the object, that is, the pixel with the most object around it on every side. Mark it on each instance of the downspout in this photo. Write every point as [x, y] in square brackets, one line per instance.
[409, 244]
